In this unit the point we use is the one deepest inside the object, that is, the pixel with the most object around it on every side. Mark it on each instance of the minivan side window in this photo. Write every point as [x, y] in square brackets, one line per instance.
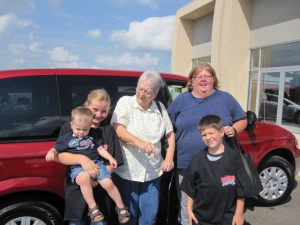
[74, 89]
[29, 108]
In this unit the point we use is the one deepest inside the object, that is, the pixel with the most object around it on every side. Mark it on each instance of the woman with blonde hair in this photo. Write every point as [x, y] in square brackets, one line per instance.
[98, 101]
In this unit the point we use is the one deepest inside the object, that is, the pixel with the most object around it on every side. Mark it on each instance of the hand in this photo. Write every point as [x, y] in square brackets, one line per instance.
[89, 166]
[167, 165]
[147, 147]
[113, 162]
[51, 156]
[229, 131]
[238, 219]
[191, 217]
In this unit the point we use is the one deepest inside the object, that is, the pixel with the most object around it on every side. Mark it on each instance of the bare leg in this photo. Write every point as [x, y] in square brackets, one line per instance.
[112, 191]
[85, 182]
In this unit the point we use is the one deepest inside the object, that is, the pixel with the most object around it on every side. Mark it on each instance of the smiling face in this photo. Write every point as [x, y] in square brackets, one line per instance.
[145, 94]
[99, 110]
[203, 83]
[212, 137]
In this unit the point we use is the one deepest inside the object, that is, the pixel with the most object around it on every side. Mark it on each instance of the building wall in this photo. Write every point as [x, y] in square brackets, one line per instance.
[183, 35]
[226, 31]
[230, 46]
[274, 22]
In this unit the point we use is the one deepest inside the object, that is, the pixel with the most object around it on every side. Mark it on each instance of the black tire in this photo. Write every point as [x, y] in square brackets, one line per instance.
[277, 177]
[35, 212]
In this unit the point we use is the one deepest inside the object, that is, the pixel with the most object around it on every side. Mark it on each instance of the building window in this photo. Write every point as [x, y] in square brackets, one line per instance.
[281, 55]
[196, 61]
[274, 84]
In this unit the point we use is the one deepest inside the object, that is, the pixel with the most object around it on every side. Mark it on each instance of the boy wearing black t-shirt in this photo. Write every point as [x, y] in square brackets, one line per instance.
[216, 182]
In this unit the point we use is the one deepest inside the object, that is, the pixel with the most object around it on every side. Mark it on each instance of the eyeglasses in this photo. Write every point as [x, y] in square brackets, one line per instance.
[143, 91]
[205, 77]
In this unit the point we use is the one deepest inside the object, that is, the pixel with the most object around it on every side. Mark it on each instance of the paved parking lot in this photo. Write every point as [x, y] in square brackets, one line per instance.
[285, 214]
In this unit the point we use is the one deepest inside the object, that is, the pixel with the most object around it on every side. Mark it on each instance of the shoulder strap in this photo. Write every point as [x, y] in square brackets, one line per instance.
[233, 143]
[159, 107]
[160, 110]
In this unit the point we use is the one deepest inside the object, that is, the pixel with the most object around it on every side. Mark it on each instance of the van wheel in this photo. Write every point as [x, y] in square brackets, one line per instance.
[276, 176]
[30, 213]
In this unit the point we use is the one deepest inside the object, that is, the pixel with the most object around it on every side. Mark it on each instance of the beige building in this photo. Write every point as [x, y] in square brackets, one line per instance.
[254, 45]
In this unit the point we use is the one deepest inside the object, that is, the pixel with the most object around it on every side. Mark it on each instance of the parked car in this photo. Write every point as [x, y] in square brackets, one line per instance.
[273, 150]
[269, 104]
[35, 102]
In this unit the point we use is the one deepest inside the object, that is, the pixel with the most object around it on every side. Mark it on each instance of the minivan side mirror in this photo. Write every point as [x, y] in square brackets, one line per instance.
[251, 121]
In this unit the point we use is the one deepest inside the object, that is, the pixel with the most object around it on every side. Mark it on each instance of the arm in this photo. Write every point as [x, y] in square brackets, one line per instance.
[168, 163]
[87, 164]
[102, 150]
[236, 128]
[130, 139]
[112, 143]
[76, 159]
[238, 218]
[240, 125]
[51, 155]
[189, 210]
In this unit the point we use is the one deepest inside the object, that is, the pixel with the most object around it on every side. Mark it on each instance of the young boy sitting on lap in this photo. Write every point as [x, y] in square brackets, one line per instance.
[82, 141]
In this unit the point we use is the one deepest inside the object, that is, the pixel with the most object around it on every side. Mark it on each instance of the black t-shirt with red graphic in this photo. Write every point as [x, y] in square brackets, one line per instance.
[215, 185]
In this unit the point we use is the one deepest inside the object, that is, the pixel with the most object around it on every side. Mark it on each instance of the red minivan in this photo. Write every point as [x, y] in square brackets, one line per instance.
[35, 102]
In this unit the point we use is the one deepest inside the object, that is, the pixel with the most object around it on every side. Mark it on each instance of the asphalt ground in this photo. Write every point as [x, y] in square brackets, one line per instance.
[287, 213]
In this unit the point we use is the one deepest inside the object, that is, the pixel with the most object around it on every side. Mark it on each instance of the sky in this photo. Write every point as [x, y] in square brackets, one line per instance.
[107, 34]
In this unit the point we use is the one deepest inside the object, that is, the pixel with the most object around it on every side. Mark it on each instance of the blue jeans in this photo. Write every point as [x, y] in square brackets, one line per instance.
[103, 172]
[141, 198]
[182, 217]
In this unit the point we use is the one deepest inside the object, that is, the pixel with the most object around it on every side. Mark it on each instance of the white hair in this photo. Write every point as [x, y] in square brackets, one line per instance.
[154, 78]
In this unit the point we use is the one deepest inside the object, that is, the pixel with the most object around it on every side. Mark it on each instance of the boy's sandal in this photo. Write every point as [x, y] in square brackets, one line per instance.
[95, 214]
[124, 216]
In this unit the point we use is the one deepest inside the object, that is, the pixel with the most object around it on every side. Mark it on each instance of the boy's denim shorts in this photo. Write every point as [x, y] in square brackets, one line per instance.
[103, 172]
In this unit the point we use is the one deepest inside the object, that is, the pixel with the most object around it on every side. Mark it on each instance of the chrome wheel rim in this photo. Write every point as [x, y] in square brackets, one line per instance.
[274, 181]
[26, 220]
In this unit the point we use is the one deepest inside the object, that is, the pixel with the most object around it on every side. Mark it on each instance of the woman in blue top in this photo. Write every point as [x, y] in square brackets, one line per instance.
[203, 98]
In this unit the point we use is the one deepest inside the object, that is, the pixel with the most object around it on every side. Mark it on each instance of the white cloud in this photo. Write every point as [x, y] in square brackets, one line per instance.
[35, 47]
[127, 60]
[95, 33]
[10, 23]
[16, 6]
[63, 58]
[20, 55]
[154, 33]
[22, 49]
[16, 62]
[17, 49]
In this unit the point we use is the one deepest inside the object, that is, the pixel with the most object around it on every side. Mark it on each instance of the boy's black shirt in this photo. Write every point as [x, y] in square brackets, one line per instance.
[85, 146]
[215, 186]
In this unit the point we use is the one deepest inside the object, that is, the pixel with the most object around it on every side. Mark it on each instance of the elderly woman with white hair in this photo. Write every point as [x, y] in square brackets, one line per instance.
[140, 126]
